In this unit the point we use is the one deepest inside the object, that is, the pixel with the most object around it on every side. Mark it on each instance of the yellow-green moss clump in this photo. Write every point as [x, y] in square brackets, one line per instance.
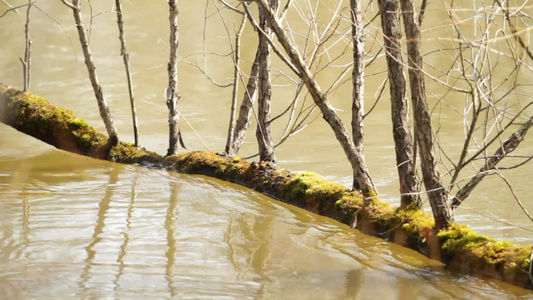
[58, 127]
[128, 153]
[314, 193]
[463, 249]
[414, 222]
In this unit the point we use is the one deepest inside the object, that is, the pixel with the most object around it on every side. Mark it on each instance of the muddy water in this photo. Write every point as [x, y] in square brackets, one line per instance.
[81, 228]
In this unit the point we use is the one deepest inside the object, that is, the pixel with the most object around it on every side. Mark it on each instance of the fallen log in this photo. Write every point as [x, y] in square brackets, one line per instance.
[458, 247]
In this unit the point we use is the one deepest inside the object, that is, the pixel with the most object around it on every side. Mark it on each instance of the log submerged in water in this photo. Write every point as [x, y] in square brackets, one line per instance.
[460, 248]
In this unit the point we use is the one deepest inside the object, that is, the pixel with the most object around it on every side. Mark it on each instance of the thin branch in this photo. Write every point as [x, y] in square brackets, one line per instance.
[507, 147]
[70, 5]
[274, 47]
[126, 59]
[515, 196]
[15, 8]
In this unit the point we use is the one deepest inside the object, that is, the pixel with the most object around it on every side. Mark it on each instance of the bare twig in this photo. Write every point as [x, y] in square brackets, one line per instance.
[509, 145]
[14, 8]
[26, 62]
[236, 59]
[515, 196]
[126, 58]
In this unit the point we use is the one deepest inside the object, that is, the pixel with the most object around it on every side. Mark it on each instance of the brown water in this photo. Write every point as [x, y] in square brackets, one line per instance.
[73, 227]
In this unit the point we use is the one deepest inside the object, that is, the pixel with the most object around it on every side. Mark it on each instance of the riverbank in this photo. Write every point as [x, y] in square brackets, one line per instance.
[458, 247]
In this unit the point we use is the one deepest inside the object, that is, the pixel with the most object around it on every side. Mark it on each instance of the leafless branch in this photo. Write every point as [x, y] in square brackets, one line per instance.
[14, 8]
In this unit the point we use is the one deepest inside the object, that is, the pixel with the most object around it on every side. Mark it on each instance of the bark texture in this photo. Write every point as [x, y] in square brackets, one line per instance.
[102, 103]
[245, 111]
[360, 171]
[404, 147]
[437, 194]
[263, 134]
[172, 94]
[358, 77]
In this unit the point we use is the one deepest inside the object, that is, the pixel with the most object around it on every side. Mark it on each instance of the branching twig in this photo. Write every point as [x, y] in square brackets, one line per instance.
[507, 147]
[14, 8]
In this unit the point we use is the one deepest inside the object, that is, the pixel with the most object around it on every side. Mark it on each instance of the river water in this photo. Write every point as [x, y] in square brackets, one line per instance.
[74, 227]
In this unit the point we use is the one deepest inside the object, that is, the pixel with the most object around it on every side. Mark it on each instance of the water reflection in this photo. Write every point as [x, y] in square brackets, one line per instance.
[126, 235]
[104, 206]
[170, 225]
[122, 231]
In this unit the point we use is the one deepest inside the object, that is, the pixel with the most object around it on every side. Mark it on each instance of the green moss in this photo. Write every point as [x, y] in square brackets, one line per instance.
[458, 238]
[525, 264]
[380, 215]
[348, 206]
[312, 191]
[79, 124]
[414, 221]
[128, 153]
[86, 138]
[372, 194]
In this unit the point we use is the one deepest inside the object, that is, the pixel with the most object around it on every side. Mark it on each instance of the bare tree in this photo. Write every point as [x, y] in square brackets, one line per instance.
[26, 62]
[264, 138]
[404, 147]
[437, 194]
[171, 93]
[363, 179]
[75, 5]
[245, 111]
[236, 76]
[126, 58]
[358, 77]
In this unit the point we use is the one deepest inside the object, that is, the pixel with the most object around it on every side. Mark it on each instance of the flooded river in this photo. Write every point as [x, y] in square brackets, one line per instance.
[74, 227]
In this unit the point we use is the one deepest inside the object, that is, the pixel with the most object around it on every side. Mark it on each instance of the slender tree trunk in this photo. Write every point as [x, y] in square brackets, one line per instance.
[409, 183]
[26, 62]
[357, 162]
[171, 93]
[126, 59]
[264, 138]
[358, 75]
[236, 77]
[437, 194]
[102, 103]
[245, 111]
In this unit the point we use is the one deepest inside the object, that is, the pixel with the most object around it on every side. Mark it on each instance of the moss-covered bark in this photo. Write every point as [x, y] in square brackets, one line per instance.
[457, 246]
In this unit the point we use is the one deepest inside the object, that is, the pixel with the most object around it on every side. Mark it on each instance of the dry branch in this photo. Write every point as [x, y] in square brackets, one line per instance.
[363, 180]
[171, 93]
[102, 103]
[126, 58]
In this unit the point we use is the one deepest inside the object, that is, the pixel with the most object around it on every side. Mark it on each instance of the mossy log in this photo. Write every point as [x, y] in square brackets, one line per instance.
[458, 247]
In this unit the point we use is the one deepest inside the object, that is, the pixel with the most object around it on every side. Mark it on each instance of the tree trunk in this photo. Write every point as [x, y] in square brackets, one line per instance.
[358, 73]
[99, 94]
[436, 192]
[26, 62]
[245, 112]
[409, 183]
[126, 59]
[357, 162]
[171, 93]
[236, 77]
[264, 138]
